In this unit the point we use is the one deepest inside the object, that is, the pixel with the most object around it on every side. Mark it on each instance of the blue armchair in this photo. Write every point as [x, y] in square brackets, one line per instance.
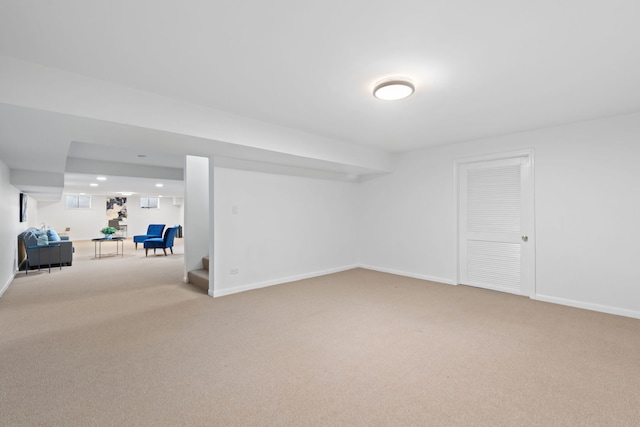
[153, 231]
[161, 243]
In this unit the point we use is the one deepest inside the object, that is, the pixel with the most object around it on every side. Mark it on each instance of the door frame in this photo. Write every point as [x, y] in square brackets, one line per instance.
[529, 207]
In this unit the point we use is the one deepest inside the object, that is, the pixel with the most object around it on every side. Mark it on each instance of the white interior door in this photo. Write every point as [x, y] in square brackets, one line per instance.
[496, 236]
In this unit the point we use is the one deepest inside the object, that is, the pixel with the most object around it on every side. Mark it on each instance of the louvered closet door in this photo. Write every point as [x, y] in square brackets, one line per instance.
[495, 225]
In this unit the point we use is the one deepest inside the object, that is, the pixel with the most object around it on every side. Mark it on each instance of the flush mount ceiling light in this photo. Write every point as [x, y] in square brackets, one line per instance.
[392, 89]
[101, 178]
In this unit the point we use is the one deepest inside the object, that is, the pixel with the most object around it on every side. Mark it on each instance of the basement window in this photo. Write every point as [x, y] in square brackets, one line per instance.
[77, 202]
[149, 202]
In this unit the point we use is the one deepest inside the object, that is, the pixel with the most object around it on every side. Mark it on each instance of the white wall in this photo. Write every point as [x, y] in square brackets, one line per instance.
[586, 204]
[138, 219]
[587, 207]
[11, 226]
[276, 228]
[9, 213]
[86, 223]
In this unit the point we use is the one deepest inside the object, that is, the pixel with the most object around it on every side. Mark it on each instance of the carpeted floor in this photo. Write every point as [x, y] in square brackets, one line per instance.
[122, 341]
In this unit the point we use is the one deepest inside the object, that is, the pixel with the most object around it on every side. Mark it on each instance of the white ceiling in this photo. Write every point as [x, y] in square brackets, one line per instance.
[114, 185]
[135, 156]
[481, 68]
[124, 170]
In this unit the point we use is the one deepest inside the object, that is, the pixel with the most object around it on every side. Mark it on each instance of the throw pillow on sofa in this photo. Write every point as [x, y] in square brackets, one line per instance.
[43, 239]
[52, 235]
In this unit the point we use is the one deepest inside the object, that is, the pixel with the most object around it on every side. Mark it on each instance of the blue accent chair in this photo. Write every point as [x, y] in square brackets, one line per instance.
[153, 231]
[161, 243]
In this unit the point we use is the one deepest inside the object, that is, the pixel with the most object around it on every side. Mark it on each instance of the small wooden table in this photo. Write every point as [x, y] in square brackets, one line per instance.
[97, 245]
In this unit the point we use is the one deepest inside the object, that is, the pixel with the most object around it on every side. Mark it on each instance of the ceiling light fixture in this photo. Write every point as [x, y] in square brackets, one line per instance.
[93, 184]
[101, 178]
[159, 185]
[394, 88]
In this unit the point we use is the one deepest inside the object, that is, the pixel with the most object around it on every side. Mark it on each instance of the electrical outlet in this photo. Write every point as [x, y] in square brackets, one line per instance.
[234, 271]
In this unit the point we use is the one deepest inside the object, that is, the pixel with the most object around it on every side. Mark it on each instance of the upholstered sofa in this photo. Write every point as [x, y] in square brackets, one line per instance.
[29, 237]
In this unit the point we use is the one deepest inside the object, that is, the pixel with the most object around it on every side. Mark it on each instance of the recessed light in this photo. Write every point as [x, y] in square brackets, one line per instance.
[126, 193]
[93, 184]
[394, 88]
[101, 178]
[159, 185]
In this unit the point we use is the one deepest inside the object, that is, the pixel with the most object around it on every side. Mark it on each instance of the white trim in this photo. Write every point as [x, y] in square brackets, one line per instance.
[273, 282]
[407, 274]
[589, 306]
[544, 298]
[456, 225]
[6, 285]
[496, 156]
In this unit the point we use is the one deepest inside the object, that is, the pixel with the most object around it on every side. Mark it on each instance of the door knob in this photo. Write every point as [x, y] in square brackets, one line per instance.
[525, 238]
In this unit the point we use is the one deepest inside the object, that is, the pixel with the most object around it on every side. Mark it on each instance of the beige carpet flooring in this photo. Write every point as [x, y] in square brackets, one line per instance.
[121, 341]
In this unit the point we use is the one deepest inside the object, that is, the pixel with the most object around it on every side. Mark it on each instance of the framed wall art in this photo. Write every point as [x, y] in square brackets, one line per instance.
[23, 207]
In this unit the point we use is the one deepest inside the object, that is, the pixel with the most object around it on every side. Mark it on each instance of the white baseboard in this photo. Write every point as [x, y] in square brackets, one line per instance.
[220, 293]
[546, 298]
[4, 288]
[589, 306]
[407, 274]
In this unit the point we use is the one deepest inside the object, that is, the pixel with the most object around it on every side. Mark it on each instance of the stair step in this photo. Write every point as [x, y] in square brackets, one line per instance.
[199, 278]
[205, 262]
